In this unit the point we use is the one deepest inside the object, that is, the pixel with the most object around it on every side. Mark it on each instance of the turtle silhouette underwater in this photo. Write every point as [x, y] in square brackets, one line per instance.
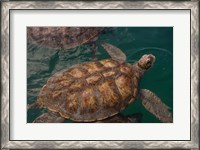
[96, 90]
[62, 37]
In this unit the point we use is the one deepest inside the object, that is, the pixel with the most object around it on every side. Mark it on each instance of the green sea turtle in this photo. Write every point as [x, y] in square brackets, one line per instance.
[62, 37]
[100, 89]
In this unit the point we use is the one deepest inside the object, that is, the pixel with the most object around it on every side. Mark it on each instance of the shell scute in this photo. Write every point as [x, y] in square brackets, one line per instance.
[109, 73]
[109, 63]
[89, 102]
[65, 83]
[124, 84]
[61, 76]
[93, 67]
[110, 97]
[77, 72]
[72, 103]
[93, 79]
[125, 68]
[79, 84]
[60, 84]
[56, 94]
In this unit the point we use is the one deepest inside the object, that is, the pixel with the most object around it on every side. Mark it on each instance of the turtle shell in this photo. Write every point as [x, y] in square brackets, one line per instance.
[90, 91]
[62, 37]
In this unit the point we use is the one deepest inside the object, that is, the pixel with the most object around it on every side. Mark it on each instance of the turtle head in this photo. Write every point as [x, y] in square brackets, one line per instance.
[146, 61]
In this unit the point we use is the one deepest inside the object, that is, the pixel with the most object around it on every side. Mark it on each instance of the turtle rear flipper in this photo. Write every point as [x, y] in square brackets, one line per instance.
[155, 106]
[35, 105]
[135, 118]
[119, 118]
[49, 117]
[114, 52]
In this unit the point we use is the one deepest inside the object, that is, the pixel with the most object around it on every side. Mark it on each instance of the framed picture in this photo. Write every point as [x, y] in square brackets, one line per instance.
[100, 74]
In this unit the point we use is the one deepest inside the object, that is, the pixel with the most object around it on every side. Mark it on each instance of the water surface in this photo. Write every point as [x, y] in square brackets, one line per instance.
[43, 62]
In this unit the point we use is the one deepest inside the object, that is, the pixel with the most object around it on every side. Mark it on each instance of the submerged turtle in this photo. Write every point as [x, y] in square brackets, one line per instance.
[53, 117]
[97, 90]
[62, 37]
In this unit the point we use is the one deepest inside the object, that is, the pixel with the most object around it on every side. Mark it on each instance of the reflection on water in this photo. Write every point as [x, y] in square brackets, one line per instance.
[43, 62]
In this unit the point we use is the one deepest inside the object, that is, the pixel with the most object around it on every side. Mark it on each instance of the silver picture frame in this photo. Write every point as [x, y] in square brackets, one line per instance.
[7, 6]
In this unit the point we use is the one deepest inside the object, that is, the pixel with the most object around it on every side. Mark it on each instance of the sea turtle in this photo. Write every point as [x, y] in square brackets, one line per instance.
[99, 89]
[53, 117]
[62, 37]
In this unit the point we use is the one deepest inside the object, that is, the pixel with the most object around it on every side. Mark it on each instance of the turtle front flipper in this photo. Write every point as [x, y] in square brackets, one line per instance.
[155, 106]
[49, 117]
[114, 52]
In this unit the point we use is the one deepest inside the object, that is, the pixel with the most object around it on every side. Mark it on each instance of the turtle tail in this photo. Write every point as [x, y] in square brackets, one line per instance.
[155, 106]
[35, 105]
[49, 117]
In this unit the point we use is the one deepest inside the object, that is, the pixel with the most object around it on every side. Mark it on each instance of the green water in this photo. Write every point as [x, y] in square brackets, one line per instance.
[43, 62]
